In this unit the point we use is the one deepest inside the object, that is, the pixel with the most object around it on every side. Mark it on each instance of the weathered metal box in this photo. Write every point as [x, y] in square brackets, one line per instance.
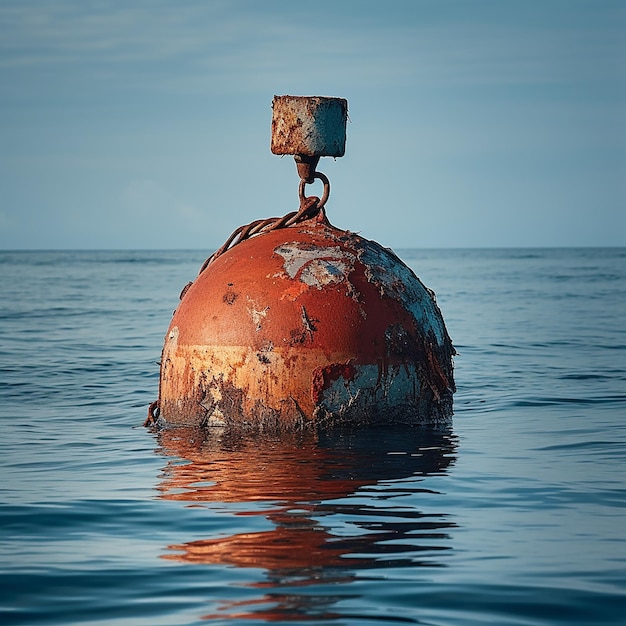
[309, 126]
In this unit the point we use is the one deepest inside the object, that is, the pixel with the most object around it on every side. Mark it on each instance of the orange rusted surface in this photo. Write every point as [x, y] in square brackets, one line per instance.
[302, 325]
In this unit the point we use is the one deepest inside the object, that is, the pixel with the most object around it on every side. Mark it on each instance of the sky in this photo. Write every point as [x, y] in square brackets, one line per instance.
[145, 124]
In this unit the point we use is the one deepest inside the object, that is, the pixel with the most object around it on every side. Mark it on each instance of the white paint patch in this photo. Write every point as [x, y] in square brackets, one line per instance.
[321, 272]
[316, 266]
[257, 315]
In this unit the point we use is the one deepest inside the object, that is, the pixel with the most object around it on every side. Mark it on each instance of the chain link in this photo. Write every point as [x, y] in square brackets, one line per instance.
[310, 206]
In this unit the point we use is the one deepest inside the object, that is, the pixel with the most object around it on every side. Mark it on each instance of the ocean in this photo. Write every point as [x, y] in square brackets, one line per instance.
[515, 515]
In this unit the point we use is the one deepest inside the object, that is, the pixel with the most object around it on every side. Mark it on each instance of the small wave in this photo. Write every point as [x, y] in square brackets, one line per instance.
[551, 401]
[602, 445]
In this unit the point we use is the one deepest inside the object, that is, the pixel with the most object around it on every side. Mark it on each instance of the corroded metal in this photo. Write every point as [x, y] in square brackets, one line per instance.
[319, 202]
[306, 166]
[309, 125]
[307, 325]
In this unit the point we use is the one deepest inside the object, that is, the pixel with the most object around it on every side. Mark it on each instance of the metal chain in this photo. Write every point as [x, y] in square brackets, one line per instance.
[310, 206]
[154, 411]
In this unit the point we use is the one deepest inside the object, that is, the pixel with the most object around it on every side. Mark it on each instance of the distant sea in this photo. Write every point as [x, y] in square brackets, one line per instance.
[516, 515]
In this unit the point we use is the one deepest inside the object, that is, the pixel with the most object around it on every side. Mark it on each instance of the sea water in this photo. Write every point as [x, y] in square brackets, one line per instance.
[514, 515]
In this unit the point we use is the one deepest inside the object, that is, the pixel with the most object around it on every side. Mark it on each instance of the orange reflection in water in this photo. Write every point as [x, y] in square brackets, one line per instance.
[226, 467]
[302, 478]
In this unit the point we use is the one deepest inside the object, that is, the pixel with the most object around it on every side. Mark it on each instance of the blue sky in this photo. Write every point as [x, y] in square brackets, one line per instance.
[145, 124]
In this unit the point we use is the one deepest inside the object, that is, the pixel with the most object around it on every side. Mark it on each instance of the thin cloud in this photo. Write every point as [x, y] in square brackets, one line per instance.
[245, 46]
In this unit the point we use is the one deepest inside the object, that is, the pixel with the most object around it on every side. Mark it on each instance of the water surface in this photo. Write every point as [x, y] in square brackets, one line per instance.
[515, 515]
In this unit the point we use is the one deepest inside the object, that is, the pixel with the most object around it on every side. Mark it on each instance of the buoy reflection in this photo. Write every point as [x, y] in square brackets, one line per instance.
[303, 484]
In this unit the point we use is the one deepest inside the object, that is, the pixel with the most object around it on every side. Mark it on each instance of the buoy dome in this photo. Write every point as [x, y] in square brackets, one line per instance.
[304, 325]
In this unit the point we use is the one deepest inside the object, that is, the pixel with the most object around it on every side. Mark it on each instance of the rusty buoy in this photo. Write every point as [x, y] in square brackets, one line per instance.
[296, 323]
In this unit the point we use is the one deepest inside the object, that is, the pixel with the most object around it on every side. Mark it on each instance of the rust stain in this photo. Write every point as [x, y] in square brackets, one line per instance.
[293, 291]
[323, 377]
[263, 354]
[305, 333]
[229, 297]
